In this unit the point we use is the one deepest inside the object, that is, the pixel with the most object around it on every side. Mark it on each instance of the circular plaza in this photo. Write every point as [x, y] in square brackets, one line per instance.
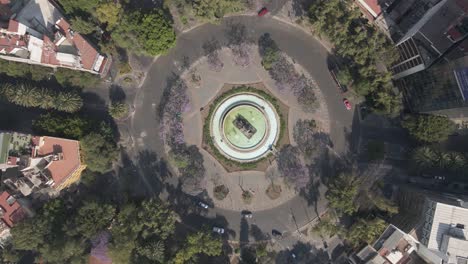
[244, 127]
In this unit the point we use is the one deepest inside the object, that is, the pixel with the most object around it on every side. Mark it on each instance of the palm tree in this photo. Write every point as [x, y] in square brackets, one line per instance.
[26, 95]
[423, 158]
[46, 97]
[68, 102]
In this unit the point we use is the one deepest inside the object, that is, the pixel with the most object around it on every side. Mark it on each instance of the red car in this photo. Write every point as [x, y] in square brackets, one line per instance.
[263, 12]
[347, 104]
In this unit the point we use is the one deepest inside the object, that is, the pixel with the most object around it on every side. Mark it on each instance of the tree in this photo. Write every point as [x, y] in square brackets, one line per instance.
[91, 218]
[141, 230]
[150, 34]
[74, 78]
[68, 126]
[365, 231]
[387, 101]
[292, 168]
[98, 152]
[328, 226]
[215, 9]
[154, 251]
[428, 128]
[342, 193]
[201, 242]
[74, 6]
[69, 102]
[109, 13]
[118, 110]
[26, 95]
[82, 25]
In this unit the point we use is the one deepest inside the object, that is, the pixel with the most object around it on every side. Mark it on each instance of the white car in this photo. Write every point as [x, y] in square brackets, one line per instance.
[203, 205]
[218, 230]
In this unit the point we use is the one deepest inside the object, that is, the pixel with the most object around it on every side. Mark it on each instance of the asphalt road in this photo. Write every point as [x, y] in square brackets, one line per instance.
[301, 47]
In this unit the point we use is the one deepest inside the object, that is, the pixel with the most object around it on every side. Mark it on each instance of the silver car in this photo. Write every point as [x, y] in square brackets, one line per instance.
[218, 230]
[203, 205]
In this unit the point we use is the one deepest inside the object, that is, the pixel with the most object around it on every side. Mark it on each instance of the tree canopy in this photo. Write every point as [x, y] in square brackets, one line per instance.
[150, 33]
[26, 95]
[364, 46]
[342, 193]
[98, 152]
[365, 231]
[201, 242]
[428, 128]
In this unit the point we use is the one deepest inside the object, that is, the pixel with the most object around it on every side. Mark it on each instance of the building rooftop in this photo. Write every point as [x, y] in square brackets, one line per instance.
[440, 218]
[11, 210]
[67, 157]
[373, 7]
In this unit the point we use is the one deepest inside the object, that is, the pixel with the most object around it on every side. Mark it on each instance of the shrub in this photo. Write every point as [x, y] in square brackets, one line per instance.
[247, 197]
[220, 192]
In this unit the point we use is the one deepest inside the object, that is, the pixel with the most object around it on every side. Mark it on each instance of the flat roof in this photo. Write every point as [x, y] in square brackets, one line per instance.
[445, 216]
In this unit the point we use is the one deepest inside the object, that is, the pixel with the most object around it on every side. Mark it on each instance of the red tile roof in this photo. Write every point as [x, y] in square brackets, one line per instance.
[372, 6]
[4, 2]
[13, 26]
[87, 52]
[49, 52]
[60, 170]
[12, 213]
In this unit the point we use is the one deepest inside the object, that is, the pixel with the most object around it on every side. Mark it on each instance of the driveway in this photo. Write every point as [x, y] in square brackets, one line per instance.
[301, 47]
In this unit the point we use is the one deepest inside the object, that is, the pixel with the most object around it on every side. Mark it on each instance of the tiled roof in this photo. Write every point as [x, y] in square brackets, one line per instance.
[372, 6]
[13, 26]
[12, 211]
[87, 52]
[61, 169]
[49, 52]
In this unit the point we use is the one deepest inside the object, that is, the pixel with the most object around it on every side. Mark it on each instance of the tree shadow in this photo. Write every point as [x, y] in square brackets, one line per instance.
[117, 94]
[244, 232]
[304, 253]
[258, 234]
[143, 177]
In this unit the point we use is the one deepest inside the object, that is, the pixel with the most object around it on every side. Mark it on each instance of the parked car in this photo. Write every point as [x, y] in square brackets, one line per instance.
[277, 234]
[203, 205]
[218, 230]
[262, 12]
[246, 214]
[347, 104]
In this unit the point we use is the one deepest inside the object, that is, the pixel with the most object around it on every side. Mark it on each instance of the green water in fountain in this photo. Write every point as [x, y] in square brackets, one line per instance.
[254, 116]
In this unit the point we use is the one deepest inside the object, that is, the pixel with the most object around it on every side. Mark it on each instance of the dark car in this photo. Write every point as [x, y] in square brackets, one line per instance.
[277, 234]
[262, 12]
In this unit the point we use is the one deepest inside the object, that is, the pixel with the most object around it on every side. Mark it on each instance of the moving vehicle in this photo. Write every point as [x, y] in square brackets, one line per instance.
[203, 205]
[218, 230]
[246, 214]
[262, 12]
[347, 104]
